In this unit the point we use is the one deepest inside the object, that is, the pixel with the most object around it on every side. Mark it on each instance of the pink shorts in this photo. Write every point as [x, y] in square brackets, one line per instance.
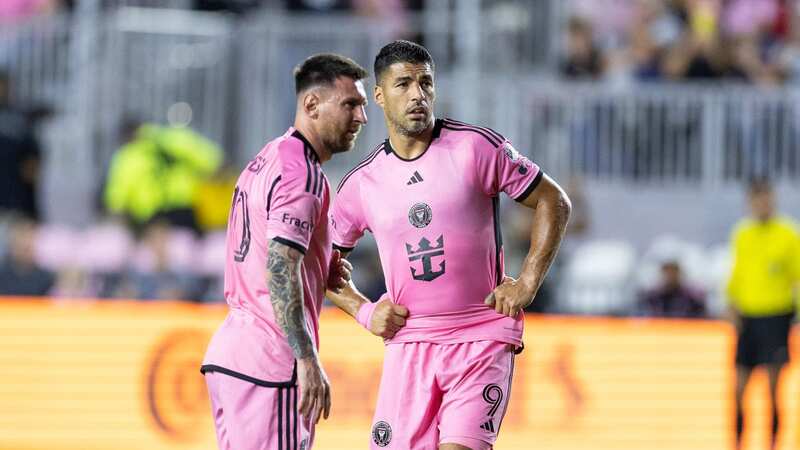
[252, 417]
[435, 394]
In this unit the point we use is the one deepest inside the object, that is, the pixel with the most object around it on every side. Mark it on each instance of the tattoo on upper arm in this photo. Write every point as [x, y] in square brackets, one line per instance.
[286, 295]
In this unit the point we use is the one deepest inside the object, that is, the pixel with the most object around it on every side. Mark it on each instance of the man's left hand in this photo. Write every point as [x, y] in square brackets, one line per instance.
[510, 297]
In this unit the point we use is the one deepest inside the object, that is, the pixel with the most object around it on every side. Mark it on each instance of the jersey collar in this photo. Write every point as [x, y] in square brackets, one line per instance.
[296, 133]
[437, 130]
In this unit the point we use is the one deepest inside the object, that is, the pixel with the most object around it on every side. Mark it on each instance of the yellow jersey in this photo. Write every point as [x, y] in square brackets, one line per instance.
[766, 267]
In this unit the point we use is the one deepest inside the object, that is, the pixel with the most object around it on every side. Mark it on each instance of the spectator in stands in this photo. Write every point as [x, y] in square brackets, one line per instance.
[681, 40]
[157, 172]
[699, 53]
[672, 297]
[19, 157]
[761, 291]
[654, 30]
[19, 273]
[154, 277]
[583, 59]
[753, 53]
[789, 56]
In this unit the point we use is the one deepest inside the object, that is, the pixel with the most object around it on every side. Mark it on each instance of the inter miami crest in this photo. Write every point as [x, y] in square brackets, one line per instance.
[420, 215]
[382, 434]
[511, 152]
[513, 155]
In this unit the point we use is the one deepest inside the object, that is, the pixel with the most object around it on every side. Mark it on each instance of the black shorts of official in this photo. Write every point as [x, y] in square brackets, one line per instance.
[764, 340]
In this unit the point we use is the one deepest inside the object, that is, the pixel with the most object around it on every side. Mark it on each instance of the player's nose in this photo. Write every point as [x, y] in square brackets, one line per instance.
[361, 115]
[417, 93]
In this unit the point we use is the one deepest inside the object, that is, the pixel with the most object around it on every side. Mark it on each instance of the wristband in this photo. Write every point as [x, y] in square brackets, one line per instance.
[364, 316]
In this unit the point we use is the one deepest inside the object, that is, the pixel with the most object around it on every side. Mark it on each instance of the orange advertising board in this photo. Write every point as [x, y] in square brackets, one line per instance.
[125, 376]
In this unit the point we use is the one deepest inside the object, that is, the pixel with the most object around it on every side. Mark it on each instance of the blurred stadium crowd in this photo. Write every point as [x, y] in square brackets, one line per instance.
[162, 194]
[748, 40]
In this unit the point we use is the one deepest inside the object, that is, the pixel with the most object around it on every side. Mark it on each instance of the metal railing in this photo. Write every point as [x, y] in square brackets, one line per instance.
[656, 133]
[36, 56]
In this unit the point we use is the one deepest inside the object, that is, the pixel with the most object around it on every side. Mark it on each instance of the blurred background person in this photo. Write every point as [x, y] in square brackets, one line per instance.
[157, 171]
[762, 290]
[583, 59]
[19, 156]
[20, 274]
[156, 273]
[672, 297]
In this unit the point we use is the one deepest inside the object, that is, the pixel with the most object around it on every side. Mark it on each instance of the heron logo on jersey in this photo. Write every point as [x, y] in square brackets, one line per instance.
[382, 434]
[257, 164]
[420, 215]
[425, 252]
[514, 156]
[511, 152]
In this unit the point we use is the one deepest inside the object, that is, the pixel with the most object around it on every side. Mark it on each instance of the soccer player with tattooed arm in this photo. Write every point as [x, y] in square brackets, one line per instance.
[265, 381]
[451, 319]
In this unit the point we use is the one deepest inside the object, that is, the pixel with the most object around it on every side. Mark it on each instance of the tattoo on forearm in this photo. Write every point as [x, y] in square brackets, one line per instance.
[546, 239]
[286, 295]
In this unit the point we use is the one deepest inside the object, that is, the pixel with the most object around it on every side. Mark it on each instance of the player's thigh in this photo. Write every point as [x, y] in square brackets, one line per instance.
[252, 417]
[474, 407]
[408, 399]
[466, 444]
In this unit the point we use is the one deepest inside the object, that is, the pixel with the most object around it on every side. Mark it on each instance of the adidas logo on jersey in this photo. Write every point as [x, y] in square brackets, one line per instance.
[488, 426]
[416, 178]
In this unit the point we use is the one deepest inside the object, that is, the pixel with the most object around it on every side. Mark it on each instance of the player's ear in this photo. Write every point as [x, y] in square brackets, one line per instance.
[311, 103]
[378, 94]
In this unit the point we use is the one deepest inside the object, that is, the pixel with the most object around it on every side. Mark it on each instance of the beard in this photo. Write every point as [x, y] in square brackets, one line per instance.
[340, 144]
[409, 127]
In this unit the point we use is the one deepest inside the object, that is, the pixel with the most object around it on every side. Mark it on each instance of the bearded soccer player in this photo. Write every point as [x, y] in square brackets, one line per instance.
[451, 318]
[279, 264]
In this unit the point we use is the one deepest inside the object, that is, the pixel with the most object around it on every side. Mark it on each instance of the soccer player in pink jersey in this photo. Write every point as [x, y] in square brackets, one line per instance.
[429, 195]
[279, 264]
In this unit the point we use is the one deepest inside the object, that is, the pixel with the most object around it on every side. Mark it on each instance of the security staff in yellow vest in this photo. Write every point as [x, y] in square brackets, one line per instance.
[761, 292]
[157, 172]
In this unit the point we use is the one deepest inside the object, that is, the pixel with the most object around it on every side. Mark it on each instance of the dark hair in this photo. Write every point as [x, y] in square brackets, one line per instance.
[324, 69]
[401, 51]
[759, 185]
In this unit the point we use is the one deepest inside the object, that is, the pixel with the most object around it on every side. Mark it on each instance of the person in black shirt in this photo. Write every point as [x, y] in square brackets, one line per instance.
[672, 297]
[19, 157]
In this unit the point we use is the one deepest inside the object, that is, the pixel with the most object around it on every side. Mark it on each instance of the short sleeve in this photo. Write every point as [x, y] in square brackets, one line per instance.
[795, 255]
[504, 169]
[347, 217]
[292, 211]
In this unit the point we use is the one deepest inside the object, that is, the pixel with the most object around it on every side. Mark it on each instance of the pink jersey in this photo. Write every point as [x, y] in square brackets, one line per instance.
[435, 220]
[282, 195]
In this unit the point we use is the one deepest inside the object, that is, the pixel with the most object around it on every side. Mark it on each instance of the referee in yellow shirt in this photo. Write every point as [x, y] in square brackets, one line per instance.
[761, 291]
